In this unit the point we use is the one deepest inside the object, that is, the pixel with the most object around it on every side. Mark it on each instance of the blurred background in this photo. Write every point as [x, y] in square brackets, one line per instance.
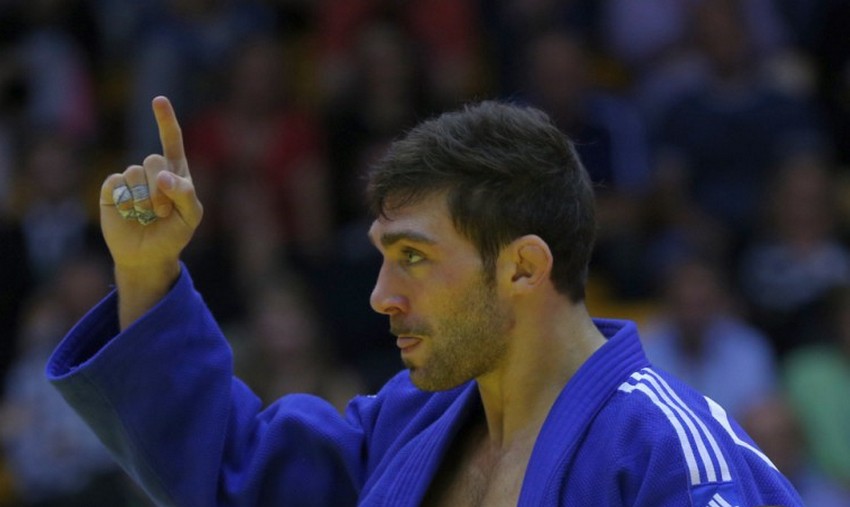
[717, 132]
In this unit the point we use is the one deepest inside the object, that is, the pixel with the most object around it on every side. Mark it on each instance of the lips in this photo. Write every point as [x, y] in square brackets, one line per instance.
[406, 343]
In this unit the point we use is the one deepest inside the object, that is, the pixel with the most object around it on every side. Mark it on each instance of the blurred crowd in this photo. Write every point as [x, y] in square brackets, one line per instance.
[717, 133]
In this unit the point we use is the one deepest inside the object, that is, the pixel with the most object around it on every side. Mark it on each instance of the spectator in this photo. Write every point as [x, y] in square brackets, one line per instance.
[610, 136]
[180, 54]
[645, 36]
[699, 338]
[385, 97]
[511, 26]
[654, 42]
[281, 349]
[56, 70]
[726, 137]
[796, 258]
[818, 380]
[260, 132]
[261, 156]
[55, 460]
[55, 218]
[446, 31]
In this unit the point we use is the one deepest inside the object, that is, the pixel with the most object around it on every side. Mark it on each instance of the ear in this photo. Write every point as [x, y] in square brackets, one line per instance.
[527, 263]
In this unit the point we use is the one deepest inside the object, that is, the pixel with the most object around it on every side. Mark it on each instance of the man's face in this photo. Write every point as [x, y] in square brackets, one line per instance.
[450, 322]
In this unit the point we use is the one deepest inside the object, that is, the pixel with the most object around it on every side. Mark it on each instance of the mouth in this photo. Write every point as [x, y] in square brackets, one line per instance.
[407, 343]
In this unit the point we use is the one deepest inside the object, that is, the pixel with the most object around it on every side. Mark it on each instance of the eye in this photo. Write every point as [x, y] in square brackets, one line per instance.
[412, 257]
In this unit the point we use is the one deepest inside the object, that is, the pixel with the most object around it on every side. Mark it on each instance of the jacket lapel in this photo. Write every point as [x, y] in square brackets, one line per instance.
[574, 409]
[413, 468]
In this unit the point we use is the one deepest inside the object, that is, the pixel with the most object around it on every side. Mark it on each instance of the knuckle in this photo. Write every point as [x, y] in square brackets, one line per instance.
[154, 161]
[134, 171]
[112, 180]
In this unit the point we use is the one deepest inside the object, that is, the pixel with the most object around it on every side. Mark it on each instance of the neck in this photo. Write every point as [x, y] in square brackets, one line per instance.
[541, 360]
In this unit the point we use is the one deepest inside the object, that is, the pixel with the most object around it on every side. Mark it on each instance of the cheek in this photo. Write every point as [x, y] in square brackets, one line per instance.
[478, 309]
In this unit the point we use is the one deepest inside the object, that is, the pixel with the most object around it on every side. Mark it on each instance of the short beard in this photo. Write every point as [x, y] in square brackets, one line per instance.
[471, 341]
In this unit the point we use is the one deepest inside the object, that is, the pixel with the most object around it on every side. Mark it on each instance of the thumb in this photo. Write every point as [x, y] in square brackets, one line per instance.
[181, 192]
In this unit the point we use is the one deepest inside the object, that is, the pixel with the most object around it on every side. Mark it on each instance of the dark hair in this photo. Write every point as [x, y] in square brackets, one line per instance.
[507, 171]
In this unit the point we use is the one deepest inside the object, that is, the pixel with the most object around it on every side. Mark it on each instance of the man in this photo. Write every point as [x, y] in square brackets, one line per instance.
[513, 395]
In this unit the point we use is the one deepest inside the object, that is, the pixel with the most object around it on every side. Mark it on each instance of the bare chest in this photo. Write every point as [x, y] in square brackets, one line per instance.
[472, 475]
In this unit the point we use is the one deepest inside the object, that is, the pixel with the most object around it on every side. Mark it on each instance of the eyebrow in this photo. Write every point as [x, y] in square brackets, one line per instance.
[390, 238]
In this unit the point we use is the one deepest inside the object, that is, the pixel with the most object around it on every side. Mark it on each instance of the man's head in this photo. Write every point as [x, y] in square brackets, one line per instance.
[506, 171]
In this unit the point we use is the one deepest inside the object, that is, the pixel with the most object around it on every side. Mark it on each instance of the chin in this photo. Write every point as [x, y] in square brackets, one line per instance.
[428, 383]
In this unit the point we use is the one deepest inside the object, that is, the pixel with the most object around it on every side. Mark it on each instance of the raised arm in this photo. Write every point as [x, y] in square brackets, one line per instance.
[152, 373]
[148, 215]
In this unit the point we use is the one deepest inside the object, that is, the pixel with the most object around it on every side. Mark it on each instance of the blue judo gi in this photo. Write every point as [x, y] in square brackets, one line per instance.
[162, 396]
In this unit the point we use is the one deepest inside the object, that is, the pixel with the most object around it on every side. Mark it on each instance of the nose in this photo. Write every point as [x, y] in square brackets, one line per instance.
[386, 298]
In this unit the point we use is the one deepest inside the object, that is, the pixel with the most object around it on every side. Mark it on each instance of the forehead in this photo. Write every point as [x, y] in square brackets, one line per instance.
[425, 221]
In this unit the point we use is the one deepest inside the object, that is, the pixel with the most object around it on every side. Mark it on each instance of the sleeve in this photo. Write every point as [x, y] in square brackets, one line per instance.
[162, 397]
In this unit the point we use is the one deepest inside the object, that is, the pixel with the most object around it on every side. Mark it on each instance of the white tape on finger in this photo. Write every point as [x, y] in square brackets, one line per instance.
[122, 197]
[140, 192]
[121, 194]
[143, 213]
[127, 201]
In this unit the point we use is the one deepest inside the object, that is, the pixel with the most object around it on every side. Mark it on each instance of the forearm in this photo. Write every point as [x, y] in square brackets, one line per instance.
[161, 395]
[140, 288]
[145, 389]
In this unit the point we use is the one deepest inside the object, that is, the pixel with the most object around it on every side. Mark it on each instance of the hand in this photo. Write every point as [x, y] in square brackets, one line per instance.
[146, 251]
[161, 189]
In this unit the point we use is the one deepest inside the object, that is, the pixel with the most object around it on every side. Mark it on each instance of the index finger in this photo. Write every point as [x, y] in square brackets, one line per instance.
[170, 135]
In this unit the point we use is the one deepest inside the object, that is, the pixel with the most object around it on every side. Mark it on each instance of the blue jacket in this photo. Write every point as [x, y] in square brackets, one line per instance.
[162, 397]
